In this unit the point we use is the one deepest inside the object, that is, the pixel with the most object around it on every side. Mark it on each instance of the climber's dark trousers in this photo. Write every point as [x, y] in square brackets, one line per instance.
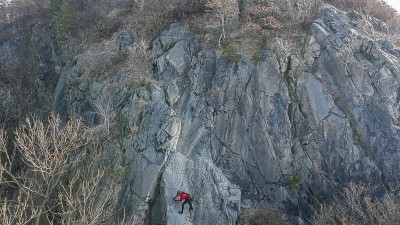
[190, 204]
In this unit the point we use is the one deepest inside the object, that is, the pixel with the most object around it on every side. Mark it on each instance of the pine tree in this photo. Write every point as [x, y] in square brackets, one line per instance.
[61, 20]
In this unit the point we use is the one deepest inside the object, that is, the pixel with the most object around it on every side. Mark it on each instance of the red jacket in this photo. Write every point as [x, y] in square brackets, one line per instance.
[182, 197]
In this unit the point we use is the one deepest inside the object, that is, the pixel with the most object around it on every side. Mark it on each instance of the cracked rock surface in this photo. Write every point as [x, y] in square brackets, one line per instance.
[290, 129]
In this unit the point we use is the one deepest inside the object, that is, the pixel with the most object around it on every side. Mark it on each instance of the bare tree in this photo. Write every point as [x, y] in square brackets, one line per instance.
[106, 109]
[50, 187]
[220, 7]
[9, 107]
[47, 153]
[85, 201]
[18, 211]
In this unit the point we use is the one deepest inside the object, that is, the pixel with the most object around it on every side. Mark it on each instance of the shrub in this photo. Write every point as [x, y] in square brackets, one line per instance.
[255, 58]
[294, 181]
[357, 204]
[230, 53]
[157, 15]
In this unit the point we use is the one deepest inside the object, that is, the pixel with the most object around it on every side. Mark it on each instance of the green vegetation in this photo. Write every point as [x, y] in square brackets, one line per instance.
[255, 58]
[61, 20]
[294, 181]
[270, 43]
[229, 52]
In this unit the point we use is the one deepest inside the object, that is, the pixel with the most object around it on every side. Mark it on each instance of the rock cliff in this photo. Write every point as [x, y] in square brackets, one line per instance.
[290, 128]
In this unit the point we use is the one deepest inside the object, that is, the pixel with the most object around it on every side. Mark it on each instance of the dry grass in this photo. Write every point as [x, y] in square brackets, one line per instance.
[359, 205]
[268, 214]
[376, 8]
[281, 14]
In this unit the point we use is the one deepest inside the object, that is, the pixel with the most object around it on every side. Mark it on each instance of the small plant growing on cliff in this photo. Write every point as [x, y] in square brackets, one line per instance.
[231, 54]
[270, 44]
[255, 58]
[294, 181]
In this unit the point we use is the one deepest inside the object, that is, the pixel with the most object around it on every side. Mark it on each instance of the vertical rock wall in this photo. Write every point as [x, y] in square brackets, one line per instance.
[289, 129]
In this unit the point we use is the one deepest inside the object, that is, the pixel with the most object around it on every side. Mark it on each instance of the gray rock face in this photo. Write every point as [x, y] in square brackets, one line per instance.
[290, 129]
[124, 40]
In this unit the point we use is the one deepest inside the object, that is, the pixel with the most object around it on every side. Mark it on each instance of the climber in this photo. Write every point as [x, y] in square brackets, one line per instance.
[186, 197]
